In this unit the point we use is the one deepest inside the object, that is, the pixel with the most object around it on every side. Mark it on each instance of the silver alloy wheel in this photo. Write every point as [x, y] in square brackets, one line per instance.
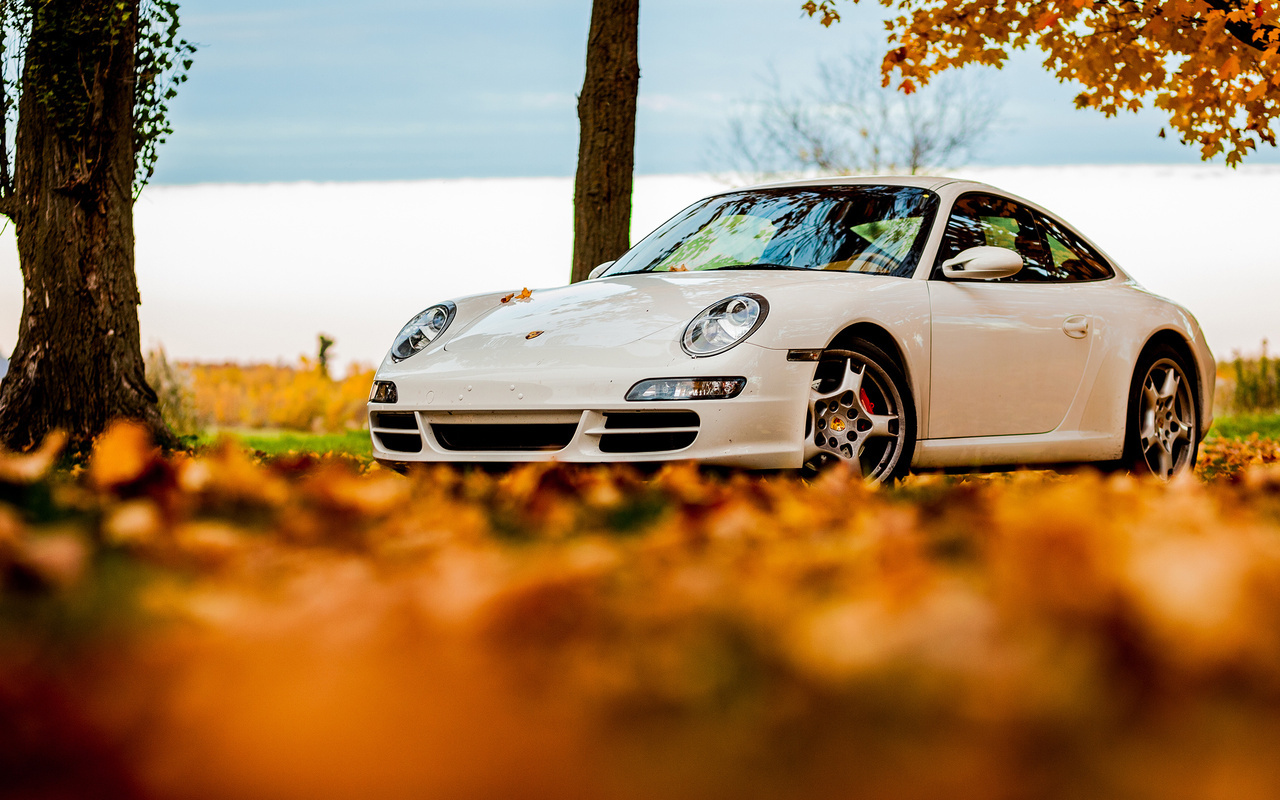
[1166, 419]
[844, 428]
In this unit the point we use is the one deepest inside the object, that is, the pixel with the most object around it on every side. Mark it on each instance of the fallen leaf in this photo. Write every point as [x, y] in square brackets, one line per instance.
[59, 558]
[121, 455]
[30, 467]
[134, 522]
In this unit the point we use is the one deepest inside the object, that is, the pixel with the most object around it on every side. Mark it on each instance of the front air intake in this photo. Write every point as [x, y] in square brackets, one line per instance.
[504, 437]
[648, 431]
[396, 431]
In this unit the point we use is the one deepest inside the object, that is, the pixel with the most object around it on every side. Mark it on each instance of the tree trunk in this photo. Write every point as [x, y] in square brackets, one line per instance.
[78, 362]
[607, 143]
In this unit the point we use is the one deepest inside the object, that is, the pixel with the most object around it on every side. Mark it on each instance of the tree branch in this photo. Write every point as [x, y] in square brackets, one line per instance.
[9, 205]
[1259, 38]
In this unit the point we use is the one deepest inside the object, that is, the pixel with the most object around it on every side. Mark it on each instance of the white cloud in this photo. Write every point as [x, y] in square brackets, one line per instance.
[255, 272]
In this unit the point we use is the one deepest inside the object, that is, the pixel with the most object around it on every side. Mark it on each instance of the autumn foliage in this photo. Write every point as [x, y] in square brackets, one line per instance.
[1212, 66]
[211, 625]
[294, 397]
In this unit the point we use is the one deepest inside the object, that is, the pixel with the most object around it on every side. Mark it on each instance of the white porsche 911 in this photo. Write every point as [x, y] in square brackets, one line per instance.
[892, 323]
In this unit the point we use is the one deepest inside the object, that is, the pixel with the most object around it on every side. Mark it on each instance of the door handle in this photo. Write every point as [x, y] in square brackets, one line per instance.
[1077, 327]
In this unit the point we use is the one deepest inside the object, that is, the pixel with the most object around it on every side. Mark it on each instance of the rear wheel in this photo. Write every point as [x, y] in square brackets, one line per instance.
[861, 413]
[1162, 432]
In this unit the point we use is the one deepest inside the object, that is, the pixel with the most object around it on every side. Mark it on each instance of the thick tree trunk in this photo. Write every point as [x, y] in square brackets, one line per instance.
[78, 362]
[607, 143]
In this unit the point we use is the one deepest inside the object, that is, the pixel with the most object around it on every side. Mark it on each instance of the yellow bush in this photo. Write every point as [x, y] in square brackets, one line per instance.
[300, 397]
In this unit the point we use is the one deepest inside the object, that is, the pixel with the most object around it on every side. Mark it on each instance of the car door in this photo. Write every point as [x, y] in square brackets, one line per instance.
[1008, 355]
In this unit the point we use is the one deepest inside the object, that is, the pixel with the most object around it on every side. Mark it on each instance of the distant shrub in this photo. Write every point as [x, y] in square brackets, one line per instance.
[173, 386]
[1257, 383]
[300, 398]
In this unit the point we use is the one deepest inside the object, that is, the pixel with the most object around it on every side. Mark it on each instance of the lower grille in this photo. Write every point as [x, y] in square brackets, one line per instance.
[399, 442]
[645, 442]
[396, 420]
[486, 437]
[396, 431]
[647, 420]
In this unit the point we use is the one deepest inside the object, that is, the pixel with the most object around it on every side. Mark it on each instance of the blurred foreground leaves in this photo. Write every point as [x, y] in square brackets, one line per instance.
[216, 626]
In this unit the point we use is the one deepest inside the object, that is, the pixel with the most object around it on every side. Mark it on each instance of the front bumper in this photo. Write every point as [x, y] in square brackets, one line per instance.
[577, 398]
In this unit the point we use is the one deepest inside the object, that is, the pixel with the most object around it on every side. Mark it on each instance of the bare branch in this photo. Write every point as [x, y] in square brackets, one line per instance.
[850, 123]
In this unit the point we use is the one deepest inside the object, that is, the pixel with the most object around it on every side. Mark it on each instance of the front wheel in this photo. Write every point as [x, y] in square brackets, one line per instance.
[861, 413]
[1162, 431]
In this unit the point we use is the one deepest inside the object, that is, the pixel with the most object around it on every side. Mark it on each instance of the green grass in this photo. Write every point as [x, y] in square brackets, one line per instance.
[280, 442]
[1239, 426]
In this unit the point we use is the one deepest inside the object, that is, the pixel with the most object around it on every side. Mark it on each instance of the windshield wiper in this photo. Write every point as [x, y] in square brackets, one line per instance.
[761, 266]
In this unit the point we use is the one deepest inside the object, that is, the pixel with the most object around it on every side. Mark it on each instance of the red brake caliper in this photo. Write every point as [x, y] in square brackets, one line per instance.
[866, 402]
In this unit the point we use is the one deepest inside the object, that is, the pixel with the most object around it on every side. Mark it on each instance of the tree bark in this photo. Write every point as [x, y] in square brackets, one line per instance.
[78, 361]
[607, 142]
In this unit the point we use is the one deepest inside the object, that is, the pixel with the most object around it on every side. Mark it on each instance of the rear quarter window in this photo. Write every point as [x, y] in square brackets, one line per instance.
[1073, 259]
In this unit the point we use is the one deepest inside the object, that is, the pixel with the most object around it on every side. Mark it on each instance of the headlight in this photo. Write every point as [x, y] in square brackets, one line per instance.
[422, 330]
[724, 324]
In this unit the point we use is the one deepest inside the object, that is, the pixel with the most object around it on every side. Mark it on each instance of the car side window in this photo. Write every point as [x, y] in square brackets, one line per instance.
[1073, 259]
[979, 219]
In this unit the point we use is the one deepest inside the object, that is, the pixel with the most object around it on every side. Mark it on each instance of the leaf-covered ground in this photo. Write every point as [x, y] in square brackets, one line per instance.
[216, 626]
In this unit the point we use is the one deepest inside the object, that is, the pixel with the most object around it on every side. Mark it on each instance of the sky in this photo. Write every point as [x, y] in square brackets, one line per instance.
[322, 90]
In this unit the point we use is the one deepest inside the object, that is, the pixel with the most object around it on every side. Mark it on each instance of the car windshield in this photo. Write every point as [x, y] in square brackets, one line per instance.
[869, 229]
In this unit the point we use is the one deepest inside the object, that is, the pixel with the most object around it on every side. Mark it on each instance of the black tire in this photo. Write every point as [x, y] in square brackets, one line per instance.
[1162, 428]
[841, 427]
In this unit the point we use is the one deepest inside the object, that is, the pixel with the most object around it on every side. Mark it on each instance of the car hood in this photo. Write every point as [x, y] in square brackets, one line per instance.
[610, 312]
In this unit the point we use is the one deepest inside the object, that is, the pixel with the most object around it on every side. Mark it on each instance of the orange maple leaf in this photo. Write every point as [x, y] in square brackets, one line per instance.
[525, 295]
[1047, 20]
[121, 455]
[1229, 68]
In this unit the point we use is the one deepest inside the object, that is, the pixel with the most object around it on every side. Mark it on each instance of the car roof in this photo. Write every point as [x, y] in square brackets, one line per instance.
[917, 181]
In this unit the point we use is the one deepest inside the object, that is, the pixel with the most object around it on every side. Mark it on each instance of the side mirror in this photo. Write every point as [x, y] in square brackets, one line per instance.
[984, 263]
[600, 270]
